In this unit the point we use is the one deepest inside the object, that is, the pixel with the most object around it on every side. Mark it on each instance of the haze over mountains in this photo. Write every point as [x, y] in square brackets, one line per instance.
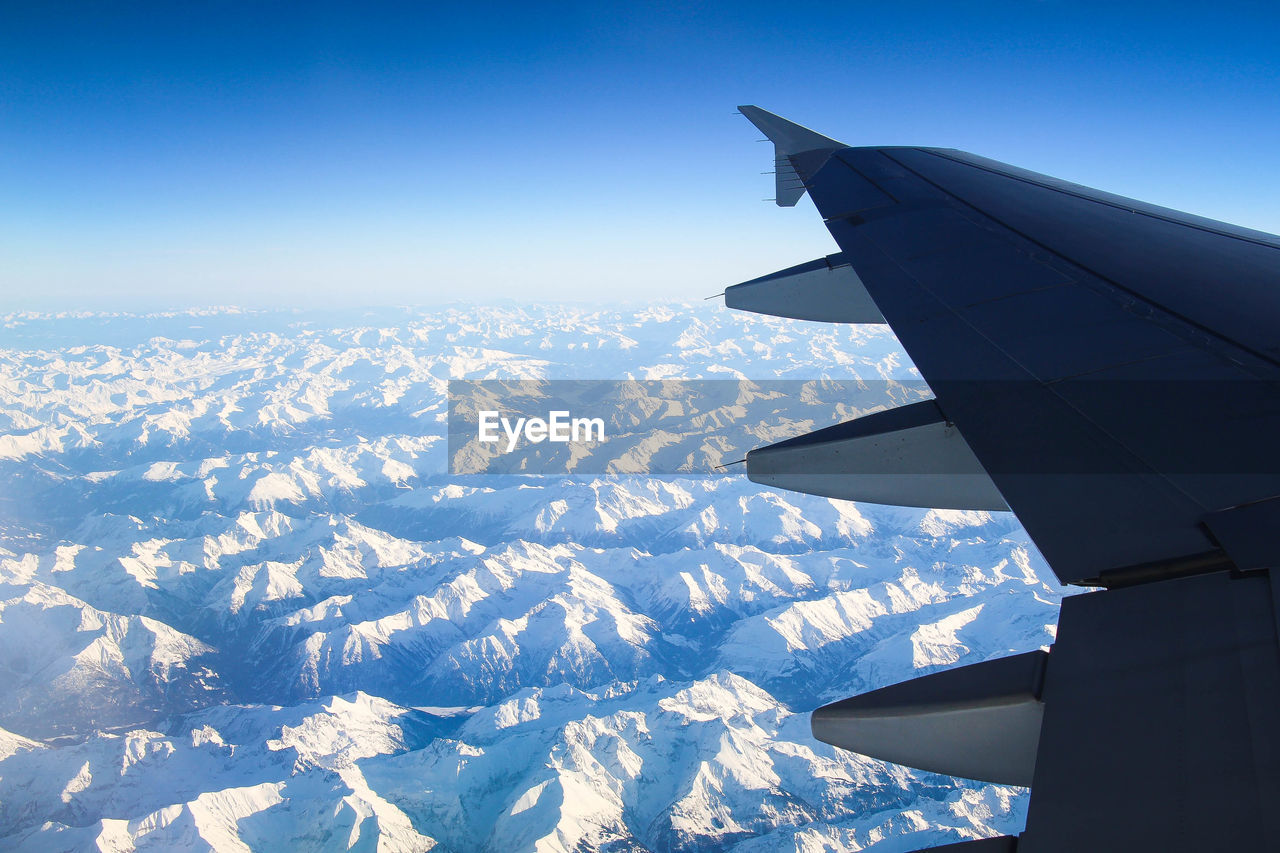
[243, 605]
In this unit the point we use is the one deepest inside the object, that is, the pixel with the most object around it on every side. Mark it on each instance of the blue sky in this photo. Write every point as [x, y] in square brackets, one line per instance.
[167, 155]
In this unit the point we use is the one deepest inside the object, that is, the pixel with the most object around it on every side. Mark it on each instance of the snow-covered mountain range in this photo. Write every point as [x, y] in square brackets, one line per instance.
[243, 605]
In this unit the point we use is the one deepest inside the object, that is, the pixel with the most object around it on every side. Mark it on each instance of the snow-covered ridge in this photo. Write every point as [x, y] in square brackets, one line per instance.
[242, 605]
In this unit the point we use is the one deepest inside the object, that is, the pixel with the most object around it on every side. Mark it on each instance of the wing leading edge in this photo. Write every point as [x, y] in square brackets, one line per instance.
[1114, 370]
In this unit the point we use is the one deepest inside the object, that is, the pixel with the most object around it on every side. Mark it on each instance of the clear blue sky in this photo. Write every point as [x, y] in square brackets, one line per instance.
[166, 155]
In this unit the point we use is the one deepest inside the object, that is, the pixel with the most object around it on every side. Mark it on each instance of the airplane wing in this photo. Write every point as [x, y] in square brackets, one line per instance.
[1110, 371]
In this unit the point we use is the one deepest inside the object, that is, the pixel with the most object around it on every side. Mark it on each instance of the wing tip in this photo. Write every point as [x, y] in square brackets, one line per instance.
[787, 136]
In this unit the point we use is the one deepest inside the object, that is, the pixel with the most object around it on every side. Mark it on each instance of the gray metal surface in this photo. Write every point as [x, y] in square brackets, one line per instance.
[1160, 727]
[788, 138]
[1071, 335]
[908, 456]
[980, 721]
[1249, 534]
[1115, 368]
[826, 290]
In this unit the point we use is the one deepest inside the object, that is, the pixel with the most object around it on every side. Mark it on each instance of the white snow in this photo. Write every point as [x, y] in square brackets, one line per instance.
[243, 606]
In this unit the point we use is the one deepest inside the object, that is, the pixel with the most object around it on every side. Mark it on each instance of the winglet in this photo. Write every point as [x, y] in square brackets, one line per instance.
[788, 138]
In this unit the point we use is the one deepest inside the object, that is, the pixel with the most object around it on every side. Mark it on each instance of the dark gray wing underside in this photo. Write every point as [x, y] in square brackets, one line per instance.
[1110, 370]
[1113, 365]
